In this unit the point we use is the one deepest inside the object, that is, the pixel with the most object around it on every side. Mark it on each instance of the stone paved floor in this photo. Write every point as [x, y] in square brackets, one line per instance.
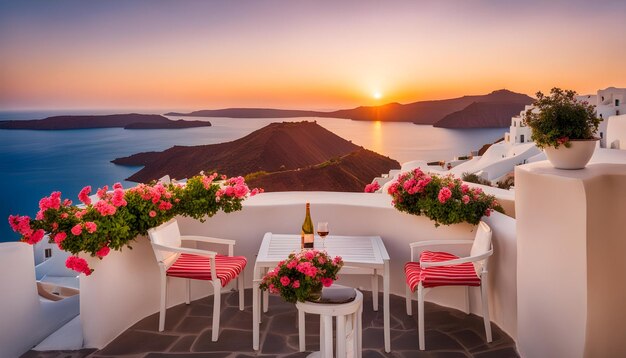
[449, 333]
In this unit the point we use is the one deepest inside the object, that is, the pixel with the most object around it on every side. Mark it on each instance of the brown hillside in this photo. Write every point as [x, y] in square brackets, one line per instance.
[348, 173]
[276, 147]
[430, 112]
[482, 115]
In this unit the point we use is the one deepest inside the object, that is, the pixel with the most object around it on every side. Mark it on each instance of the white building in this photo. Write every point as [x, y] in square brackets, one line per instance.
[608, 102]
[519, 132]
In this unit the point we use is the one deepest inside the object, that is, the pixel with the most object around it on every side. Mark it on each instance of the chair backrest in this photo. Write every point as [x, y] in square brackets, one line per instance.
[481, 245]
[166, 234]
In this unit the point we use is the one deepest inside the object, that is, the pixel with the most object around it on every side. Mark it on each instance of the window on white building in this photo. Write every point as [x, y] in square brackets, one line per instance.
[514, 124]
[521, 138]
[601, 135]
[617, 103]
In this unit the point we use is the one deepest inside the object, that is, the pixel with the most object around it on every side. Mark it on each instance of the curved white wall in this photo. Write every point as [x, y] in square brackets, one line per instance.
[124, 287]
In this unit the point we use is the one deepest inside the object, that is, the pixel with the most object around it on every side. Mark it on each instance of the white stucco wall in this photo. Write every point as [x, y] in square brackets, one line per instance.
[124, 287]
[616, 132]
[570, 266]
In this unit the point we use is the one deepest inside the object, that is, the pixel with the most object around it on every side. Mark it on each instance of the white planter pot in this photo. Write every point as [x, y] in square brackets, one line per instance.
[574, 157]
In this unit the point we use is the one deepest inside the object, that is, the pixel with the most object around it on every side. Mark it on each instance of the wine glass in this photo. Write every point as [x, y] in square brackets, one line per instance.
[322, 231]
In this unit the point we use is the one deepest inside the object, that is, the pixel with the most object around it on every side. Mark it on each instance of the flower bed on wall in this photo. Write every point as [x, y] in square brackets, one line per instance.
[116, 217]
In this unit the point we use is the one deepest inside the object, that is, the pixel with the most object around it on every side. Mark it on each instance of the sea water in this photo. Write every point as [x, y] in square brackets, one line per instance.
[35, 163]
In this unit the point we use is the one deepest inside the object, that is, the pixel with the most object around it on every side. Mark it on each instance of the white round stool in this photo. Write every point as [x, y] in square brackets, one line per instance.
[347, 314]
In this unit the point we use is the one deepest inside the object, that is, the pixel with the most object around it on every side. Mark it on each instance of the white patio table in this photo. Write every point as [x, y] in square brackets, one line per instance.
[361, 255]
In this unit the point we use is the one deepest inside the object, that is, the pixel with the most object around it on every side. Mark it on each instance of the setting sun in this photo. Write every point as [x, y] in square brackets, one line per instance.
[377, 95]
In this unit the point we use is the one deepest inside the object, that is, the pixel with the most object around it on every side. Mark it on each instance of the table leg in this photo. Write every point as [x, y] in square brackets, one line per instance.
[387, 328]
[375, 291]
[266, 296]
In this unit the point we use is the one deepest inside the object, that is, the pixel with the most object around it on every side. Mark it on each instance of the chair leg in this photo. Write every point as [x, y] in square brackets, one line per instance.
[420, 315]
[467, 299]
[187, 291]
[484, 292]
[216, 310]
[375, 291]
[163, 301]
[408, 299]
[240, 289]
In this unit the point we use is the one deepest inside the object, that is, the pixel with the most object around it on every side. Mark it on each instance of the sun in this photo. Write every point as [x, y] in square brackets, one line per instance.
[377, 95]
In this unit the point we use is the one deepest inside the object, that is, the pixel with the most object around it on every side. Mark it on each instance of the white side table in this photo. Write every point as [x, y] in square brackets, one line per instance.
[346, 314]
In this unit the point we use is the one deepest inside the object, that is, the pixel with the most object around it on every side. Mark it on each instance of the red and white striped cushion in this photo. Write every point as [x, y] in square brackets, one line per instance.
[199, 267]
[457, 275]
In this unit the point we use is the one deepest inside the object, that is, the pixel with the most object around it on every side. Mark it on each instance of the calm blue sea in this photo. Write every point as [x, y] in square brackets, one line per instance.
[35, 163]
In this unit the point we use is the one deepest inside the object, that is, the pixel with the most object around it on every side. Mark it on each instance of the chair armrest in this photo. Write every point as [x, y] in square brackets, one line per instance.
[458, 261]
[186, 250]
[211, 240]
[439, 242]
[416, 244]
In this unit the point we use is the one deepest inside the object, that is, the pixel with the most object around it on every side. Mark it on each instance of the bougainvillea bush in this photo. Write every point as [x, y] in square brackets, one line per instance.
[444, 199]
[300, 274]
[116, 217]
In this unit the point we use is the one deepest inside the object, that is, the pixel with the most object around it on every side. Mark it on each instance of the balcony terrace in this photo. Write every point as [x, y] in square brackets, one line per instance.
[539, 304]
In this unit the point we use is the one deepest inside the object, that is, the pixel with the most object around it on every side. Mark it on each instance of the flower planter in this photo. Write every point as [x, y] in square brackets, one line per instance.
[575, 157]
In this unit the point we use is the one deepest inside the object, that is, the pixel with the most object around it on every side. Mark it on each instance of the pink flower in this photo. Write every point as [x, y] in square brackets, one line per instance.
[337, 260]
[465, 199]
[78, 264]
[35, 237]
[285, 281]
[164, 205]
[488, 212]
[102, 192]
[309, 255]
[295, 284]
[117, 186]
[444, 195]
[67, 202]
[118, 198]
[371, 188]
[254, 192]
[84, 195]
[20, 224]
[292, 264]
[465, 188]
[77, 230]
[393, 188]
[104, 208]
[91, 227]
[65, 215]
[272, 288]
[58, 238]
[103, 252]
[326, 281]
[152, 213]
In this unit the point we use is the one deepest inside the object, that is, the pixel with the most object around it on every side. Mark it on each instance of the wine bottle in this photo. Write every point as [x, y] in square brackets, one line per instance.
[307, 236]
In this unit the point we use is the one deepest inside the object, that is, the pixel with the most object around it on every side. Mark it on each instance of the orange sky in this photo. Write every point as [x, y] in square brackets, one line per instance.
[192, 55]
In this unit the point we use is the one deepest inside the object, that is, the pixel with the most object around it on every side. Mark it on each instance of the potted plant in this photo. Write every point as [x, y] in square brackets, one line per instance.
[443, 199]
[564, 128]
[301, 276]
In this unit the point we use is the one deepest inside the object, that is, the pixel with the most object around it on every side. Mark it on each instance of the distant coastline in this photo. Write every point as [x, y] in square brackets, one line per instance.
[493, 110]
[126, 121]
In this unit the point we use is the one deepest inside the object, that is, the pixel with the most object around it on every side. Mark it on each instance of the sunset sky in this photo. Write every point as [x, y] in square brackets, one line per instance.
[187, 55]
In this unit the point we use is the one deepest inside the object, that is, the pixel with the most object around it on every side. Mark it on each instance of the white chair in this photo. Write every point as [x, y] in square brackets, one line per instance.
[188, 263]
[436, 269]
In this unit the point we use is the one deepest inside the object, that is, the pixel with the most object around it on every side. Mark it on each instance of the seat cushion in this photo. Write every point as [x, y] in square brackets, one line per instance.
[457, 275]
[199, 267]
